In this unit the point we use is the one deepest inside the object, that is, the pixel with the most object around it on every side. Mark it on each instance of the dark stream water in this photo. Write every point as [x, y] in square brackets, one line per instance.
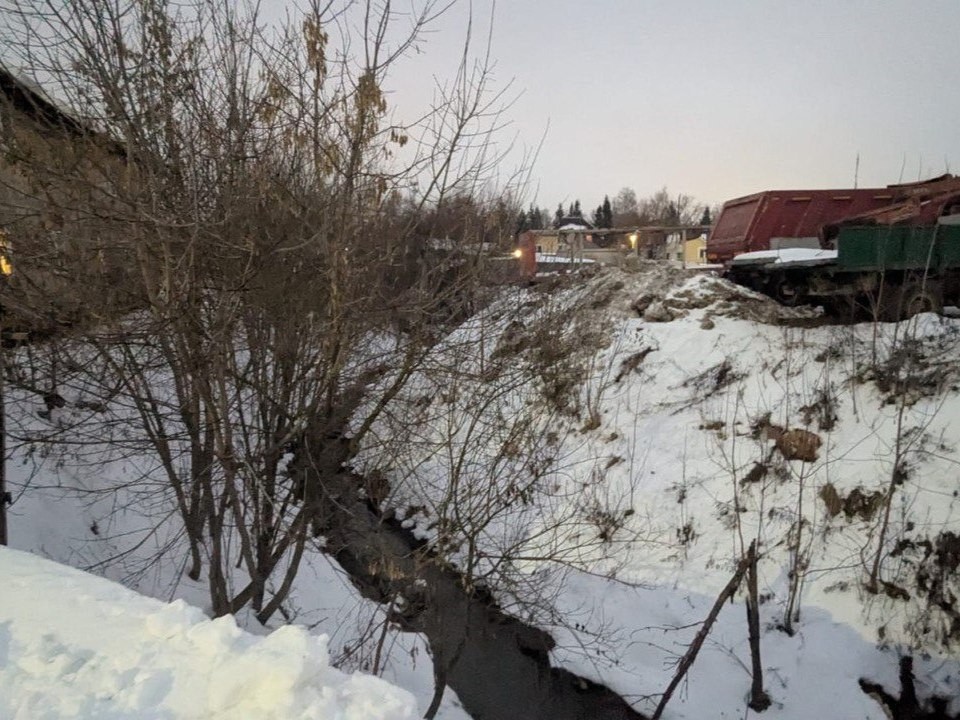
[498, 665]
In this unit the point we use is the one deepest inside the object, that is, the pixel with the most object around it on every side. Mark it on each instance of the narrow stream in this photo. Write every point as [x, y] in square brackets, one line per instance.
[498, 665]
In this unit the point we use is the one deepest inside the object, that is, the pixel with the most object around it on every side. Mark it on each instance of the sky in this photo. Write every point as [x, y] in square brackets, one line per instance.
[715, 98]
[711, 98]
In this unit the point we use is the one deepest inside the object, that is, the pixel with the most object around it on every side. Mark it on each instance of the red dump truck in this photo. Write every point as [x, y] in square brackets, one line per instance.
[786, 218]
[777, 219]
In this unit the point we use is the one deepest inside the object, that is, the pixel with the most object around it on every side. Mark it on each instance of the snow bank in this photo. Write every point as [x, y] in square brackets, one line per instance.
[76, 646]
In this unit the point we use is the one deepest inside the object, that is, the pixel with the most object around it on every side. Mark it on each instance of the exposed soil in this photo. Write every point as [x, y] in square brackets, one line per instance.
[857, 504]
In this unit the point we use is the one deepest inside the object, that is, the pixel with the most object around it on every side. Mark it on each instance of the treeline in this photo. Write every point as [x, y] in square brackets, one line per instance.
[624, 210]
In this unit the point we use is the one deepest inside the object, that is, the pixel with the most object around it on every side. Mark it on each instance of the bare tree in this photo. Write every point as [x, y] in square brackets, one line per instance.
[626, 209]
[221, 229]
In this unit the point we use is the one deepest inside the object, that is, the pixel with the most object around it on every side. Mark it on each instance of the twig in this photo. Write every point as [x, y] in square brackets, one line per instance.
[691, 654]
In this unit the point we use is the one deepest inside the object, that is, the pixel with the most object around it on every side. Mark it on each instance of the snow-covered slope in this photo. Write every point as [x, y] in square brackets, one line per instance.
[701, 417]
[76, 646]
[600, 452]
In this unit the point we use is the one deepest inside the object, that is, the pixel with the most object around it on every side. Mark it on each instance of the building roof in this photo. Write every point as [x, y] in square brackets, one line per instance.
[35, 106]
[31, 103]
[573, 220]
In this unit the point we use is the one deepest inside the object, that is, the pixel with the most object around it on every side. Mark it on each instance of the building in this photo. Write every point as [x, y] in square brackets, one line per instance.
[695, 251]
[53, 168]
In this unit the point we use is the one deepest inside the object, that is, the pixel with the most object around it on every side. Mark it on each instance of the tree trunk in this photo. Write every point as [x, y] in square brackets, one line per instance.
[691, 654]
[759, 700]
[439, 685]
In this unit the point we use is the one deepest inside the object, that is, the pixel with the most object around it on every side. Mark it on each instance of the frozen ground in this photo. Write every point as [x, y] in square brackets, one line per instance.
[683, 386]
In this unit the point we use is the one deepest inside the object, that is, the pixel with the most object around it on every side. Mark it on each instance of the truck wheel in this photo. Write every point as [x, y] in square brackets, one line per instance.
[785, 292]
[842, 308]
[919, 297]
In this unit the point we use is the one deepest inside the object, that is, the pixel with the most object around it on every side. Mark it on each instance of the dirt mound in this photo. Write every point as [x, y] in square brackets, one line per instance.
[660, 292]
[721, 298]
[631, 289]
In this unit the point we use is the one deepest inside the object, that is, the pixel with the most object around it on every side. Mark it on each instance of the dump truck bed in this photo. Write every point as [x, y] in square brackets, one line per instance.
[785, 218]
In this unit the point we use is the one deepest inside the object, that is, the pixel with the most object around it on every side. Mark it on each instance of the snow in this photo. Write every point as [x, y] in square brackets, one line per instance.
[668, 454]
[673, 446]
[545, 258]
[811, 675]
[76, 646]
[785, 256]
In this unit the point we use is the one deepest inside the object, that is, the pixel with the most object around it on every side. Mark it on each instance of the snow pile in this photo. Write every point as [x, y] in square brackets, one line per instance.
[76, 646]
[676, 297]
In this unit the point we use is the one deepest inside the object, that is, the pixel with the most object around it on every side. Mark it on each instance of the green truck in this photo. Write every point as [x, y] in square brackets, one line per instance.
[888, 264]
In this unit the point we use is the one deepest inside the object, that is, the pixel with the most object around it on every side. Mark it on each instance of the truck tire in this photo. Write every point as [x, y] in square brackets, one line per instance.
[842, 308]
[918, 296]
[784, 290]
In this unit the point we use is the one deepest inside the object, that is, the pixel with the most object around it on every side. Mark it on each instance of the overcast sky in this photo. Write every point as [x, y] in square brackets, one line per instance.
[719, 98]
[712, 98]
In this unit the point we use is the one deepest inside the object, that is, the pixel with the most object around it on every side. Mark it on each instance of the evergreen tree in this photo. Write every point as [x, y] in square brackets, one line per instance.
[558, 216]
[523, 223]
[705, 218]
[598, 217]
[534, 218]
[672, 215]
[607, 212]
[577, 212]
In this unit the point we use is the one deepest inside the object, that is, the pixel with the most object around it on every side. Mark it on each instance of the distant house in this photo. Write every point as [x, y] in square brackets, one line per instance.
[563, 240]
[572, 221]
[695, 251]
[673, 247]
[547, 241]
